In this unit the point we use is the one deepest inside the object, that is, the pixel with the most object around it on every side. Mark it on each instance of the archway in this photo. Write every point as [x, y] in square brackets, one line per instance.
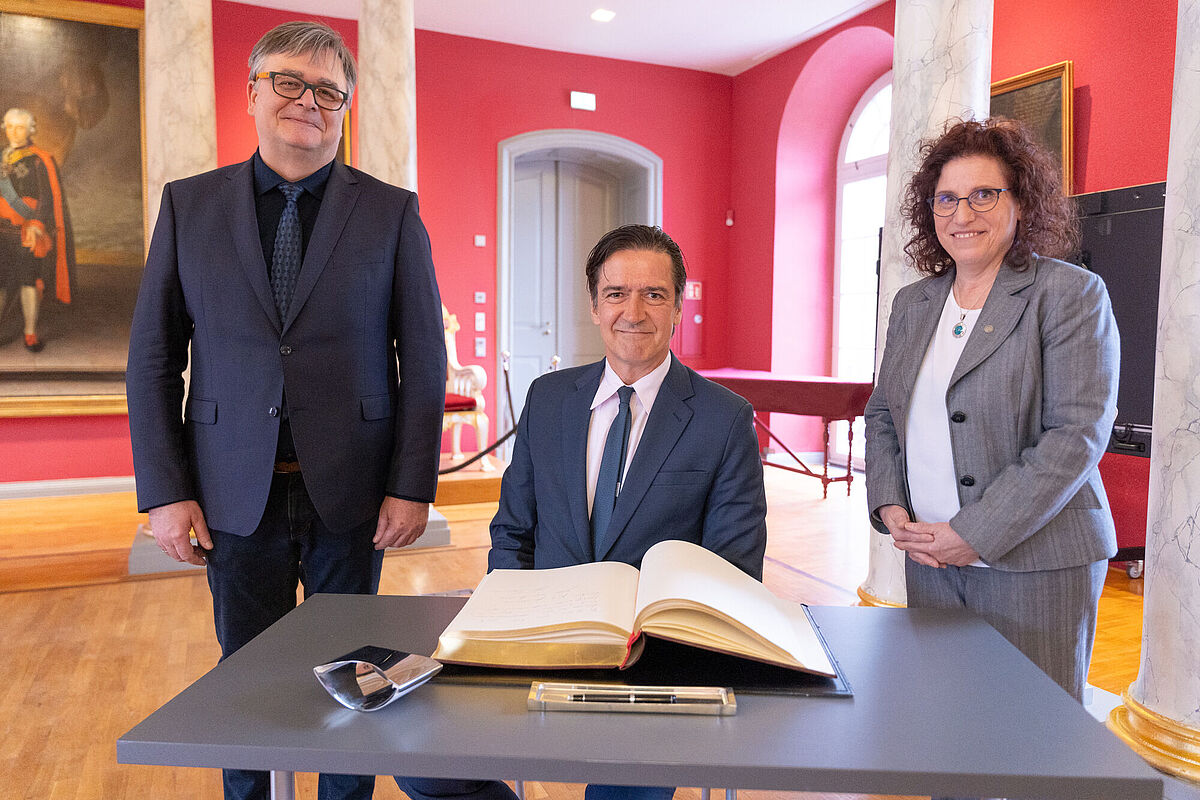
[821, 101]
[631, 174]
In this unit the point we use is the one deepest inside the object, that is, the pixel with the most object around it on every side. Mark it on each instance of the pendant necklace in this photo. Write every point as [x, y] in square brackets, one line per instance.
[960, 327]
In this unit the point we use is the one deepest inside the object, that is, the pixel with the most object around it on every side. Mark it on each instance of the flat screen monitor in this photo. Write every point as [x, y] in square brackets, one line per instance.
[1122, 243]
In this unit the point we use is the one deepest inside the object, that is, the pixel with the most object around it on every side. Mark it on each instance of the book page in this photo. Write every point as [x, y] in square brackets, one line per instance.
[597, 595]
[674, 571]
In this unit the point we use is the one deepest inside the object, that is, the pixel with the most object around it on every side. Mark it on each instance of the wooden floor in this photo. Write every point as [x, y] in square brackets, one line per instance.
[80, 665]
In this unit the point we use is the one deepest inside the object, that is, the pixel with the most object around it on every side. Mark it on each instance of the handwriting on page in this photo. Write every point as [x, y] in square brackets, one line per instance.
[518, 609]
[509, 600]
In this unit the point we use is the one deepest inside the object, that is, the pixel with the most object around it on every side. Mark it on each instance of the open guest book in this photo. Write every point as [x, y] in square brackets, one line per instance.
[600, 614]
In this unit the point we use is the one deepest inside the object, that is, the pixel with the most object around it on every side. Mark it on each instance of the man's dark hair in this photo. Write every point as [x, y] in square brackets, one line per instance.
[636, 237]
[304, 38]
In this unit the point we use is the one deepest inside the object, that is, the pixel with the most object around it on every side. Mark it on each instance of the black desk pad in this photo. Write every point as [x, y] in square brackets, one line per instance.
[665, 663]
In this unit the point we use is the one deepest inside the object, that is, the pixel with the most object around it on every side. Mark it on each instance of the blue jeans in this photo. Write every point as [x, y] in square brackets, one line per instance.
[454, 789]
[253, 580]
[603, 792]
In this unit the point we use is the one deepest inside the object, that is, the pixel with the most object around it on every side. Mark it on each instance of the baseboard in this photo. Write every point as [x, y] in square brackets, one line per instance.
[65, 487]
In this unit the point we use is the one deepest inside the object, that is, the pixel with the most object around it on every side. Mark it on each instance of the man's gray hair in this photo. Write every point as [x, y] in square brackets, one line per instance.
[304, 38]
[30, 122]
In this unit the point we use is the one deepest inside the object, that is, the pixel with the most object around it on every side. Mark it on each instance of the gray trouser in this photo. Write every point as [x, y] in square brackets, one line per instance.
[1049, 615]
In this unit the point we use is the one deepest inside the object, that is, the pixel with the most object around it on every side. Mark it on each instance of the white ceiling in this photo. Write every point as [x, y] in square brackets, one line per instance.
[723, 36]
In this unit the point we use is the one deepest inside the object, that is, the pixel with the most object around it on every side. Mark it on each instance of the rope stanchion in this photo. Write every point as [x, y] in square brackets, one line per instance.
[495, 445]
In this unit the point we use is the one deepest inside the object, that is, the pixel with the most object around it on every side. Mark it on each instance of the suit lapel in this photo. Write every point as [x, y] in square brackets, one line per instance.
[243, 226]
[341, 192]
[999, 317]
[920, 318]
[667, 421]
[576, 416]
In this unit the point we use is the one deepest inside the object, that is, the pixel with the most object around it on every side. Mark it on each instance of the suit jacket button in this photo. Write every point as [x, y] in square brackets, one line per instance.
[958, 416]
[967, 480]
[285, 349]
[272, 412]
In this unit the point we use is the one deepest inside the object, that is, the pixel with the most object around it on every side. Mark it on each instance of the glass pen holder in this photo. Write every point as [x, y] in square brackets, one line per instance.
[706, 700]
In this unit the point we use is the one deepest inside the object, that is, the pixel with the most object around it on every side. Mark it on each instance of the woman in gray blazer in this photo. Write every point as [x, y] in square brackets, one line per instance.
[995, 400]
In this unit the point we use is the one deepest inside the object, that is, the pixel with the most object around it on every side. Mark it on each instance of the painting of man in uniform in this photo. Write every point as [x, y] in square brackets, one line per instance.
[36, 247]
[71, 236]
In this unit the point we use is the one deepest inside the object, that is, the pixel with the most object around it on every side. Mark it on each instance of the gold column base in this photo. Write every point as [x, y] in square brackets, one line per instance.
[867, 599]
[1165, 743]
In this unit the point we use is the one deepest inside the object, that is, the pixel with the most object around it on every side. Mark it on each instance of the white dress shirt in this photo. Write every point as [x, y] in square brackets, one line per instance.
[604, 411]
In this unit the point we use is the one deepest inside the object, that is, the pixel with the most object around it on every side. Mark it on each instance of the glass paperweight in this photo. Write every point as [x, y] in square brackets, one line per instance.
[369, 678]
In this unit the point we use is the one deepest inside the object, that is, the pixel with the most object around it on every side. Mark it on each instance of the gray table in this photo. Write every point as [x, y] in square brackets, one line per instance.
[942, 705]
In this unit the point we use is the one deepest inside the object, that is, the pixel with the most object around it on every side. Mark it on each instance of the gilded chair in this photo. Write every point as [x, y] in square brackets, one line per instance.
[464, 397]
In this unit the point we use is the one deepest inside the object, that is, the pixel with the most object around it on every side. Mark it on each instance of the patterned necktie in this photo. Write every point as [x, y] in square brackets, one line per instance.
[612, 467]
[285, 262]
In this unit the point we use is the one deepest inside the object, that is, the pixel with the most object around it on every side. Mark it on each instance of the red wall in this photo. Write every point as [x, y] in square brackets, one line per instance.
[718, 138]
[789, 116]
[1124, 63]
[50, 448]
[834, 79]
[760, 97]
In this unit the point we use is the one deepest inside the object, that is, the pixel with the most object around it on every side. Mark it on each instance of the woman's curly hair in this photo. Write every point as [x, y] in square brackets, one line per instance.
[1048, 223]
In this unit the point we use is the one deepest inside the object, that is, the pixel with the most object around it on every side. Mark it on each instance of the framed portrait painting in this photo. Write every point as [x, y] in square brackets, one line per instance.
[72, 198]
[1042, 100]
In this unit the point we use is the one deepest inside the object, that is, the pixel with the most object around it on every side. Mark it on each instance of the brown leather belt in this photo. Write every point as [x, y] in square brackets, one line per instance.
[287, 467]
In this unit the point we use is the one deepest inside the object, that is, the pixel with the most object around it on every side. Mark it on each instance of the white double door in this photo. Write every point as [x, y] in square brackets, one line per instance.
[561, 208]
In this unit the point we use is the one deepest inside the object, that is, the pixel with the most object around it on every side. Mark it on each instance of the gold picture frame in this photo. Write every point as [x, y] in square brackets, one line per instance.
[1042, 99]
[124, 92]
[345, 153]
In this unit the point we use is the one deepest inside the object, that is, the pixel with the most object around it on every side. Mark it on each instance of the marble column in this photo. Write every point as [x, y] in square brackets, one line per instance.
[1160, 717]
[942, 68]
[387, 92]
[181, 129]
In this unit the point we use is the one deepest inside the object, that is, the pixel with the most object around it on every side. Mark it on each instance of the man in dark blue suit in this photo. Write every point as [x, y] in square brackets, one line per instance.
[304, 293]
[613, 457]
[690, 470]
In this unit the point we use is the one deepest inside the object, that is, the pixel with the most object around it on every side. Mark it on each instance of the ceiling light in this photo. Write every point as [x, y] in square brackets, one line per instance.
[603, 15]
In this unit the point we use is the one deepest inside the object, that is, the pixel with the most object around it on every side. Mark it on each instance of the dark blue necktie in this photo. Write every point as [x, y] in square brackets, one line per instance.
[612, 467]
[285, 261]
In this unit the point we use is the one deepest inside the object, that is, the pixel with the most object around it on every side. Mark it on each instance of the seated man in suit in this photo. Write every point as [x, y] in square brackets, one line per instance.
[615, 456]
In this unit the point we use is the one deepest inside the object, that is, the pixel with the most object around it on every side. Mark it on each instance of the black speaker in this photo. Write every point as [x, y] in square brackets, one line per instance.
[1122, 243]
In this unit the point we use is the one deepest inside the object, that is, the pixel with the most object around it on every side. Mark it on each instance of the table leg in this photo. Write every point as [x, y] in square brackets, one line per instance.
[849, 455]
[825, 473]
[283, 785]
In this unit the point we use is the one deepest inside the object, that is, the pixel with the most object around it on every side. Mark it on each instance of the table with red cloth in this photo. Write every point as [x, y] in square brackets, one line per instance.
[831, 399]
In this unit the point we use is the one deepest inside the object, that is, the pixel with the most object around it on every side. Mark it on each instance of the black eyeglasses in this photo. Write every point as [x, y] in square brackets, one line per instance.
[946, 204]
[293, 88]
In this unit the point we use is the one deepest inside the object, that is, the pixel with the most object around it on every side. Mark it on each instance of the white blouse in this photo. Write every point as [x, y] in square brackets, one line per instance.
[932, 479]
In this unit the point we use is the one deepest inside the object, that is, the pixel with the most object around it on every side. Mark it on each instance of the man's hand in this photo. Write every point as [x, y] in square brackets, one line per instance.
[171, 525]
[946, 546]
[401, 522]
[904, 538]
[36, 240]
